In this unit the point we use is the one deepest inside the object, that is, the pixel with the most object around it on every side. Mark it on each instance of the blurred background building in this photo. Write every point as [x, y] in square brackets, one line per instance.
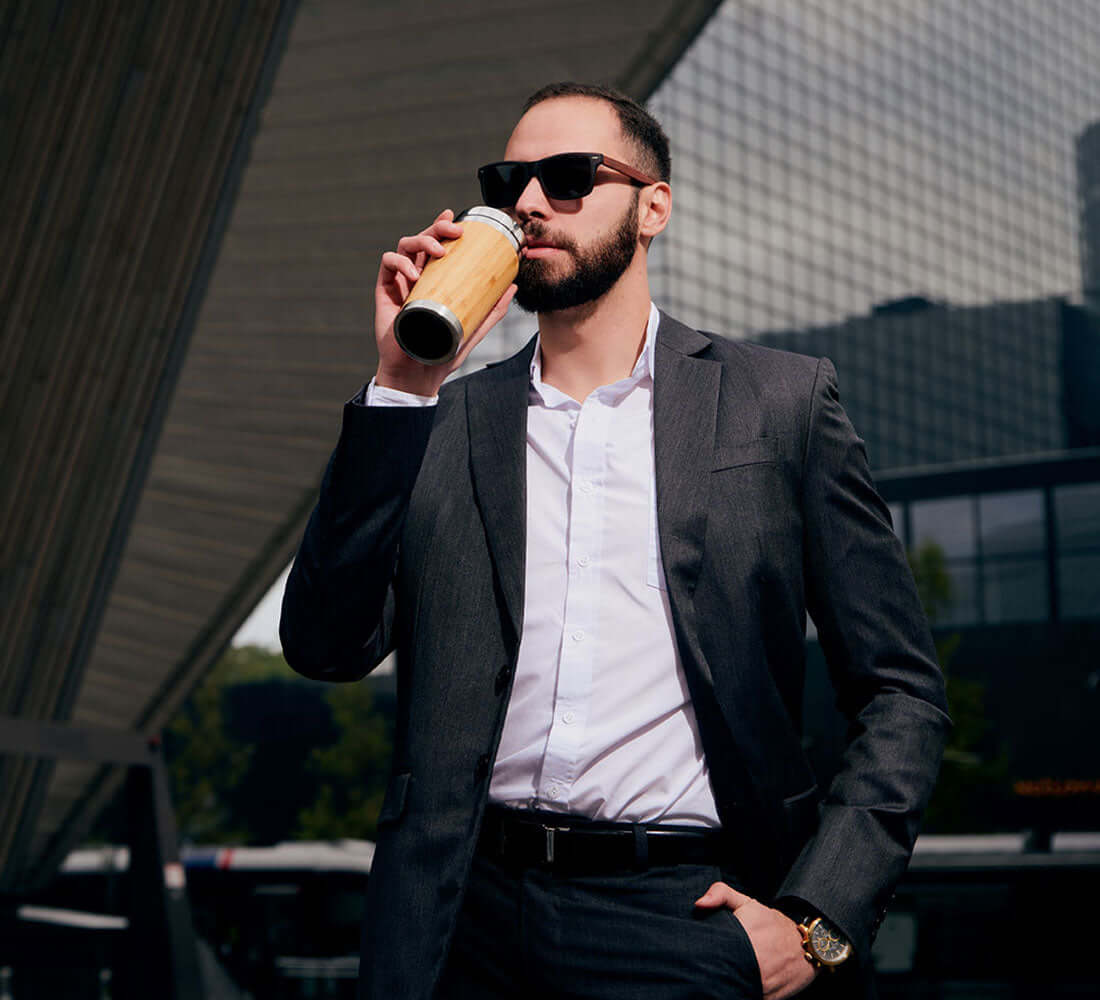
[195, 199]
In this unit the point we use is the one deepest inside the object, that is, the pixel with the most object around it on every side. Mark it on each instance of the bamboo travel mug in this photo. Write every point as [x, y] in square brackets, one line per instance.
[455, 293]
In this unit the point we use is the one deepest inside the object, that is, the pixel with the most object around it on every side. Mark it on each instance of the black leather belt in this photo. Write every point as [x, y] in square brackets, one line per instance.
[518, 838]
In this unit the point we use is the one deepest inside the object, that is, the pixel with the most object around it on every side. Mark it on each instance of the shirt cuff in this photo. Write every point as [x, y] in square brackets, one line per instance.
[380, 395]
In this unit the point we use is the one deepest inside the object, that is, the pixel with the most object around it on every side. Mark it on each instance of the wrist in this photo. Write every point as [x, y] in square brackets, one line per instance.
[426, 383]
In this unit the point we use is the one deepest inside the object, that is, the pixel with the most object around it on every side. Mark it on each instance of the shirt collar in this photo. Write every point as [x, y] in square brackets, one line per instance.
[642, 367]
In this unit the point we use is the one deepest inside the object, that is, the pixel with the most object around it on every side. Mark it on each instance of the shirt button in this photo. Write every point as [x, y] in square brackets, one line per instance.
[578, 635]
[587, 486]
[584, 560]
[569, 718]
[553, 792]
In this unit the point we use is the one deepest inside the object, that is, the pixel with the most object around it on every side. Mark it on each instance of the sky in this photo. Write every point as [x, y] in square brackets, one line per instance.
[262, 626]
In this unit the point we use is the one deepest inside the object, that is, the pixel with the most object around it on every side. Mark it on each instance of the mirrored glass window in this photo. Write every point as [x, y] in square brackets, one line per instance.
[1015, 590]
[1012, 523]
[946, 527]
[1077, 520]
[1077, 516]
[962, 608]
[947, 523]
[1079, 586]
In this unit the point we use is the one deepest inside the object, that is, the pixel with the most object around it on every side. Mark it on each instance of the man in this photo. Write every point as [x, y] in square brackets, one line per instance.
[594, 561]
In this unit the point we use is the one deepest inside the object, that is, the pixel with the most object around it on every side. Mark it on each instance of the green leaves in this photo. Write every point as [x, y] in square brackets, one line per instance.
[259, 754]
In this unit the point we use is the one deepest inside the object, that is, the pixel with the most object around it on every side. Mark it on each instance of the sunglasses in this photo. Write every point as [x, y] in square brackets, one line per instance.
[563, 177]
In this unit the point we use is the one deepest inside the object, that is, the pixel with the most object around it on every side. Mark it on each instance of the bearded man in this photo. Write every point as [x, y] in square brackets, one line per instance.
[595, 562]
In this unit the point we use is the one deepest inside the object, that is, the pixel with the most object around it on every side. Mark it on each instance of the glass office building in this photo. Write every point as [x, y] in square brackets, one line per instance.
[1019, 541]
[927, 383]
[833, 154]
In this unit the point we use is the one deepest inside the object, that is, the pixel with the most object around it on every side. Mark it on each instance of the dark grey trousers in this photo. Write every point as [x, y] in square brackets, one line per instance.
[631, 936]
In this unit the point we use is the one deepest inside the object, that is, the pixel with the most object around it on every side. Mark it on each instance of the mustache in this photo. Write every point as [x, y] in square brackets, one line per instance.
[535, 230]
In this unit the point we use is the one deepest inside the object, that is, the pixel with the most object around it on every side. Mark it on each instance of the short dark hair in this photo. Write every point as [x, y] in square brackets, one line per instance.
[641, 129]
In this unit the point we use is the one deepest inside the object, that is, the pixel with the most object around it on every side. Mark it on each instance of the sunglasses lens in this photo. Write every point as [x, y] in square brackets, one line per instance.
[567, 176]
[502, 183]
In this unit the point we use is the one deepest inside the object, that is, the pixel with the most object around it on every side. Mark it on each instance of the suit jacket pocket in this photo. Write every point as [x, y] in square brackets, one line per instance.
[754, 452]
[393, 805]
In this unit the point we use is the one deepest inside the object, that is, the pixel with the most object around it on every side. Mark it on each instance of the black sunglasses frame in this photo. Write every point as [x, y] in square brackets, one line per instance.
[536, 168]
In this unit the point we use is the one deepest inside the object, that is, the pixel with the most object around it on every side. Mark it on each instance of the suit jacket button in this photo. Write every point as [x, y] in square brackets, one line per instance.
[502, 678]
[481, 768]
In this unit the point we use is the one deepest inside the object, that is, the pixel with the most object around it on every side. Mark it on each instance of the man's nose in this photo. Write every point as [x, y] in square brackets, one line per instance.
[532, 201]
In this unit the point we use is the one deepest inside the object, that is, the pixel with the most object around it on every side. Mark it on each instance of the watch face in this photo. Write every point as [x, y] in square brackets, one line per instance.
[828, 944]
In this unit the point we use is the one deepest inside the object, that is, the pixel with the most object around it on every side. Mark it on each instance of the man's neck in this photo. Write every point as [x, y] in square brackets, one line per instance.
[597, 343]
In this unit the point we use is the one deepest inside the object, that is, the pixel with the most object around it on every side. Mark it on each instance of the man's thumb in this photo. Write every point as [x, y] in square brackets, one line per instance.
[720, 894]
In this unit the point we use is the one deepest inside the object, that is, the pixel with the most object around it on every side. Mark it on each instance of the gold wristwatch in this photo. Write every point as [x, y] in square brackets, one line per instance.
[825, 947]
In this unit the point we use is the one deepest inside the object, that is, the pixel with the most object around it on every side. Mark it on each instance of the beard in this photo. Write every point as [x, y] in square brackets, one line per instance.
[595, 269]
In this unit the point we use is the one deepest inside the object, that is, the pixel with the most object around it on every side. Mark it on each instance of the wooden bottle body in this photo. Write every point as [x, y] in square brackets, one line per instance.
[455, 292]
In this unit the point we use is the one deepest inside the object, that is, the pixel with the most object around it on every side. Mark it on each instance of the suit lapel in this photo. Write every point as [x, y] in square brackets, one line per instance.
[496, 406]
[686, 388]
[685, 406]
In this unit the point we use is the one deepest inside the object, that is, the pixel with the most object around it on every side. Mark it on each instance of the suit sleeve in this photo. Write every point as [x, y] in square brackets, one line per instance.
[338, 607]
[882, 662]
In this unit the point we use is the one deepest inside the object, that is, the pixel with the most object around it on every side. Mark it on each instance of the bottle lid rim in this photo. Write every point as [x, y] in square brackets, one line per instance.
[495, 217]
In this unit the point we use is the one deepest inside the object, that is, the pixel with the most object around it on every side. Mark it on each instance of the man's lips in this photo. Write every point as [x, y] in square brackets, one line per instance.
[535, 248]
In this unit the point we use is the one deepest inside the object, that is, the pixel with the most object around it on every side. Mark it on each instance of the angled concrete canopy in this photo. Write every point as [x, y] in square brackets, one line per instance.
[166, 417]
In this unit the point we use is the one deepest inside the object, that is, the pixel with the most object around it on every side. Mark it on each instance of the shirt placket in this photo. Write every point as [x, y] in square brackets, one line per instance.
[565, 744]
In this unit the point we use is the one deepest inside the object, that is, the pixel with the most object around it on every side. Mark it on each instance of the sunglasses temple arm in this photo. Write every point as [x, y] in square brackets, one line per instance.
[626, 168]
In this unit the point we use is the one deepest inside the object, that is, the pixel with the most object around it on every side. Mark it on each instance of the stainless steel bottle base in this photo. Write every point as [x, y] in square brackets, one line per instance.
[428, 332]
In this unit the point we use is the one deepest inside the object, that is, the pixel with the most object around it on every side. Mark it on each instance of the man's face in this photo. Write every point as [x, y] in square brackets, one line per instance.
[577, 274]
[576, 250]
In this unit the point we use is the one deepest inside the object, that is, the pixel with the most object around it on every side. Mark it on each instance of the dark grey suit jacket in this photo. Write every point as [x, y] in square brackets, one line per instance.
[765, 510]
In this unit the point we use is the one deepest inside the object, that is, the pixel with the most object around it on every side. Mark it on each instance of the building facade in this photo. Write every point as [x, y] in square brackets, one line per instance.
[927, 383]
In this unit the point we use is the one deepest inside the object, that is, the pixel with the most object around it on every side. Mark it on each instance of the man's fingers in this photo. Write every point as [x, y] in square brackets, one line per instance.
[420, 243]
[426, 245]
[720, 894]
[444, 224]
[413, 252]
[446, 230]
[400, 264]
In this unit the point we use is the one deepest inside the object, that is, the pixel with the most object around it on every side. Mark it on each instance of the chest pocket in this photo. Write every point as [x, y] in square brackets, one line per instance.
[755, 452]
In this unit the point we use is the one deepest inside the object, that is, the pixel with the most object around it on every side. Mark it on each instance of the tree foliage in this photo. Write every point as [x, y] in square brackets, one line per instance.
[974, 772]
[350, 774]
[259, 754]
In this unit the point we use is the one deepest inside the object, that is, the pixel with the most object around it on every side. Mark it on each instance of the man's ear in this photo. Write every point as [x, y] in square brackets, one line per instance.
[654, 209]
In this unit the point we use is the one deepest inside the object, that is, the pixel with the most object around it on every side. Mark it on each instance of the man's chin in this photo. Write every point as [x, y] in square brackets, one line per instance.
[531, 300]
[537, 290]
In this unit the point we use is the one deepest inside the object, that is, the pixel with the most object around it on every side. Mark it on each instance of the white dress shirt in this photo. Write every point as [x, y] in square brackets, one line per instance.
[600, 721]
